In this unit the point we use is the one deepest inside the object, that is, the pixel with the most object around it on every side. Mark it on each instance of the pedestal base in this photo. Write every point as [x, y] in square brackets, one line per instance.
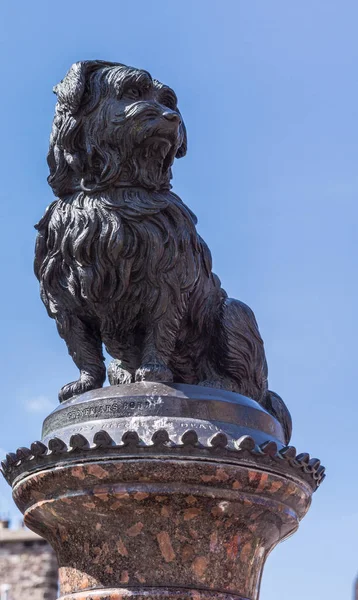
[189, 515]
[155, 522]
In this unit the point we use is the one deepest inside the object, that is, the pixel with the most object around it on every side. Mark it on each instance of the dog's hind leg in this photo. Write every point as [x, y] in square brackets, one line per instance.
[240, 356]
[85, 347]
[240, 351]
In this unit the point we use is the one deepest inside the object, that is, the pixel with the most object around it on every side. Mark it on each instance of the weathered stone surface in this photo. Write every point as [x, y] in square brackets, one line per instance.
[28, 566]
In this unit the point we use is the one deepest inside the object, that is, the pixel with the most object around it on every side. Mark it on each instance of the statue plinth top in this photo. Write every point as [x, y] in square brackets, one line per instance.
[154, 419]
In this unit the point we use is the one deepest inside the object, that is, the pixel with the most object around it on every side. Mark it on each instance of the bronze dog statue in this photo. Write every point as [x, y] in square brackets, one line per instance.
[118, 257]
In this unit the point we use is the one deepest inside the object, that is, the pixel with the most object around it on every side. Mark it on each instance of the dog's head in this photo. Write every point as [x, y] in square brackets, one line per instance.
[114, 126]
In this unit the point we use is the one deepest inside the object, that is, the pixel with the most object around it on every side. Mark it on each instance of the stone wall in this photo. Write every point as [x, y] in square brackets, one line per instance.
[28, 566]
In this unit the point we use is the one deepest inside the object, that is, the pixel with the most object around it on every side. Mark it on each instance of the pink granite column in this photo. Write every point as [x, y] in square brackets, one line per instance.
[161, 528]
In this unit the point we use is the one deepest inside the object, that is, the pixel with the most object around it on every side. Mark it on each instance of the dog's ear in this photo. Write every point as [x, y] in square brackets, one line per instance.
[184, 146]
[70, 90]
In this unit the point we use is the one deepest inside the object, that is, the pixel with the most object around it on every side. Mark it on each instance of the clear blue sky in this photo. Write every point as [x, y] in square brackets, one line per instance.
[269, 92]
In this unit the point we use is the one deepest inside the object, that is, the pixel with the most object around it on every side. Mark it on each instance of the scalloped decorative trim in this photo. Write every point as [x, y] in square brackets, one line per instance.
[244, 448]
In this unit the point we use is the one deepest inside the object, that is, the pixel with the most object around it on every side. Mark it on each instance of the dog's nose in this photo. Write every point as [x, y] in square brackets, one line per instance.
[171, 115]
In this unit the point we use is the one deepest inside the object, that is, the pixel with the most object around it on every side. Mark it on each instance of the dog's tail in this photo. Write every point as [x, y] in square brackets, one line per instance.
[274, 404]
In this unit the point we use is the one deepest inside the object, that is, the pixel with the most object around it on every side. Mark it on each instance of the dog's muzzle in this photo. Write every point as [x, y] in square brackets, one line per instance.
[172, 116]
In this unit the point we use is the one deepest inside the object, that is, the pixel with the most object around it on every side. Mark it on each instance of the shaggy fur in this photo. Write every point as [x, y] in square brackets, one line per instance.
[118, 257]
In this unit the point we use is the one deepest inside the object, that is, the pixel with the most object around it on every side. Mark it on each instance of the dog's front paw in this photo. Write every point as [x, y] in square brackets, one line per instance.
[84, 384]
[117, 375]
[154, 372]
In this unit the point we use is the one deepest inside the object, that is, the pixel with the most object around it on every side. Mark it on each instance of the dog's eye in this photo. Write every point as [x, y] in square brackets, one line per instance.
[133, 93]
[169, 103]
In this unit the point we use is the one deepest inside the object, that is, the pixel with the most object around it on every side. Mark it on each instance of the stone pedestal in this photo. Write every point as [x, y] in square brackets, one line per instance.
[156, 491]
